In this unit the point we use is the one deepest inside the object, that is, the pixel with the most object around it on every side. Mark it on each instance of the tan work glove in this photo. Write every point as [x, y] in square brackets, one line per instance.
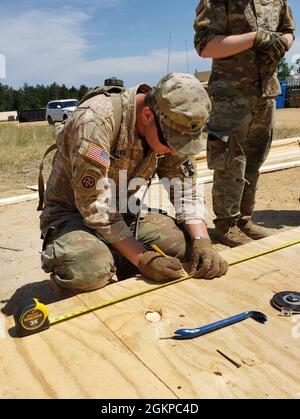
[206, 261]
[270, 47]
[160, 268]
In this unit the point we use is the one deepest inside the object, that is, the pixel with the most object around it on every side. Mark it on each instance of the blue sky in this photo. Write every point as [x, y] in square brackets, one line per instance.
[85, 41]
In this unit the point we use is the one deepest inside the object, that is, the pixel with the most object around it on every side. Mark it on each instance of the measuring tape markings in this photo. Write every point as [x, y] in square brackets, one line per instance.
[264, 252]
[90, 309]
[32, 317]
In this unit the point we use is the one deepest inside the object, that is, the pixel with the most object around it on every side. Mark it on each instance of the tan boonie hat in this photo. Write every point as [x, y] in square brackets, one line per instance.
[182, 107]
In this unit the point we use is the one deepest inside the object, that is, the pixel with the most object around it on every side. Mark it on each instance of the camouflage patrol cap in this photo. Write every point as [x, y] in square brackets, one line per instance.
[182, 107]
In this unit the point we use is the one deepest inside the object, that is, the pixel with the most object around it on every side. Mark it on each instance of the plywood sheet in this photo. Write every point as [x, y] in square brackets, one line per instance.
[268, 354]
[119, 351]
[79, 359]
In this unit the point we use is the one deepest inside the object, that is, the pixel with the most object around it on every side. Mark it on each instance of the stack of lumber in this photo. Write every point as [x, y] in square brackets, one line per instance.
[284, 154]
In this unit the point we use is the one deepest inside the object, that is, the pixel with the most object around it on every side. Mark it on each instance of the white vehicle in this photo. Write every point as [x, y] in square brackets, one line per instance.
[60, 110]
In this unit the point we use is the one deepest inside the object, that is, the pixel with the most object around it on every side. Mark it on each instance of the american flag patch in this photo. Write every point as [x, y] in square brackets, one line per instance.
[98, 155]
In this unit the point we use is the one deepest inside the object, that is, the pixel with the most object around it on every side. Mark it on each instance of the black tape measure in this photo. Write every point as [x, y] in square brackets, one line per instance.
[31, 318]
[287, 300]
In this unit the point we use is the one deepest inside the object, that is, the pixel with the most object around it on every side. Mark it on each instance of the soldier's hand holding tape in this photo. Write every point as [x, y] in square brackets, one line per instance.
[206, 261]
[160, 268]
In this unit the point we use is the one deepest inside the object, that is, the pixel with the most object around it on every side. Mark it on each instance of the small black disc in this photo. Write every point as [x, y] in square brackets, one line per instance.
[287, 299]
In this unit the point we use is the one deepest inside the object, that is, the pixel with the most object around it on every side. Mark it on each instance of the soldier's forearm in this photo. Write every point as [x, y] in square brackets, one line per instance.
[197, 229]
[225, 46]
[131, 249]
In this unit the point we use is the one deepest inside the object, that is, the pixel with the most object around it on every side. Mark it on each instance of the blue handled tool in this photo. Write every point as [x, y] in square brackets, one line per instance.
[203, 330]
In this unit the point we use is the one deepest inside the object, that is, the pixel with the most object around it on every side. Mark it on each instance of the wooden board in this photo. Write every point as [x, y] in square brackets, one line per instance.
[17, 199]
[118, 352]
[284, 154]
[78, 359]
[269, 354]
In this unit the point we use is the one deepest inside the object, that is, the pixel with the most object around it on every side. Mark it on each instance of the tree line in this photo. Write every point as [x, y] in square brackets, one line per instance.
[32, 97]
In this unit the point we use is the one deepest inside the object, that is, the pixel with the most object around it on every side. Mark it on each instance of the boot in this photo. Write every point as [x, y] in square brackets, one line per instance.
[253, 230]
[228, 233]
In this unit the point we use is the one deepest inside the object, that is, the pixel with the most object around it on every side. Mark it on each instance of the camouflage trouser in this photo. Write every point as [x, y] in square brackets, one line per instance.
[236, 161]
[79, 260]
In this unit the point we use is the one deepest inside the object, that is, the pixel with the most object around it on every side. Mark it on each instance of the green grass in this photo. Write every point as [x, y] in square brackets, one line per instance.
[21, 150]
[22, 147]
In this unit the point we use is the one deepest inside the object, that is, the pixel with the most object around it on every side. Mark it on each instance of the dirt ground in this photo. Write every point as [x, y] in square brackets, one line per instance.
[278, 207]
[287, 118]
[278, 201]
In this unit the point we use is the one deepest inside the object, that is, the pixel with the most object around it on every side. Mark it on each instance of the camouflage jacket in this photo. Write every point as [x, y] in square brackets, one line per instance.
[240, 74]
[87, 157]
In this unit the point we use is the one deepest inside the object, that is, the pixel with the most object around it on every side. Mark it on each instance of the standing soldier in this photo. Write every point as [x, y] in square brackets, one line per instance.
[246, 39]
[135, 133]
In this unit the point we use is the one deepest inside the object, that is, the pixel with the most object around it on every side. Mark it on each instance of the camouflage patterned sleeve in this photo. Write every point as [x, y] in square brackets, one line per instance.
[94, 194]
[210, 22]
[186, 191]
[287, 24]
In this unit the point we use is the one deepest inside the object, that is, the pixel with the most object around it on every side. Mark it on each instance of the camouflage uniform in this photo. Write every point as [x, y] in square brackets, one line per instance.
[242, 92]
[76, 224]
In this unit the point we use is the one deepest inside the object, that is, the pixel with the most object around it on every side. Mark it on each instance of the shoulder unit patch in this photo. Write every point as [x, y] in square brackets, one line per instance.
[87, 182]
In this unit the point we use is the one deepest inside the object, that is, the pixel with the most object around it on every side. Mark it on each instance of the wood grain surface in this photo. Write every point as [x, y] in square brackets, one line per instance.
[120, 351]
